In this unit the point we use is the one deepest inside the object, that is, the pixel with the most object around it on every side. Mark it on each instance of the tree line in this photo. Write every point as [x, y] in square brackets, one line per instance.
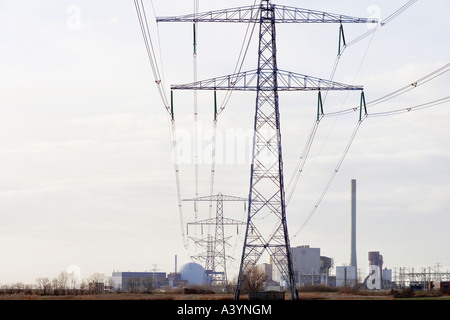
[63, 284]
[69, 284]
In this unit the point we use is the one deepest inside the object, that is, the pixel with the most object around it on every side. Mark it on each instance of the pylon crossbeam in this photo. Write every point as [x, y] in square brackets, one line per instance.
[247, 81]
[251, 14]
[218, 197]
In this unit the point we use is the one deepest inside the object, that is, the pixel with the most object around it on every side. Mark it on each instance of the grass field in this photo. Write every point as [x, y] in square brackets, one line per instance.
[337, 295]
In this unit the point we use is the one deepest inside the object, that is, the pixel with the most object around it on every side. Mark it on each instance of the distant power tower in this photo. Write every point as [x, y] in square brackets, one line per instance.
[215, 257]
[266, 222]
[212, 276]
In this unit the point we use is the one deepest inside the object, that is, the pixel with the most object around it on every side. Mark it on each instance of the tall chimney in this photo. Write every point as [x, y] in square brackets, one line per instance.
[175, 263]
[353, 245]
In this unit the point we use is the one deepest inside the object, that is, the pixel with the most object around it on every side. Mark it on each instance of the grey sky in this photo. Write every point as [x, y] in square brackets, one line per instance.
[86, 172]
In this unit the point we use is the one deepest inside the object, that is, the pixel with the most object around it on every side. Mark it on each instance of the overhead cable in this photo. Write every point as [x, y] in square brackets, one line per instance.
[410, 109]
[143, 22]
[195, 71]
[411, 86]
[382, 23]
[242, 55]
[333, 175]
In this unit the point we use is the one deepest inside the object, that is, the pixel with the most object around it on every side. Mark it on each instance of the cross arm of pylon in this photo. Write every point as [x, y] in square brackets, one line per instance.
[240, 14]
[297, 15]
[217, 197]
[283, 14]
[248, 81]
[214, 221]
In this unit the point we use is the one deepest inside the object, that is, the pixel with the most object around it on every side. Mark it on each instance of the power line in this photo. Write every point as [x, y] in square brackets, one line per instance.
[382, 23]
[145, 30]
[342, 46]
[242, 54]
[413, 85]
[430, 104]
[333, 175]
[195, 71]
[396, 93]
[143, 22]
[300, 165]
[302, 160]
[173, 137]
[411, 109]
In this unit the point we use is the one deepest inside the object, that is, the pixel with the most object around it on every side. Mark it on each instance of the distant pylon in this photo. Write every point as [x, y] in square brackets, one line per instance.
[215, 256]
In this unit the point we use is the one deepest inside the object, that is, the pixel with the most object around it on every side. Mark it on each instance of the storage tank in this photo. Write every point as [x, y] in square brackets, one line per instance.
[193, 273]
[387, 274]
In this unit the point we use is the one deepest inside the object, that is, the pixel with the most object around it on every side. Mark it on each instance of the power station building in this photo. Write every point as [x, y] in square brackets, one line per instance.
[190, 274]
[346, 276]
[138, 281]
[309, 267]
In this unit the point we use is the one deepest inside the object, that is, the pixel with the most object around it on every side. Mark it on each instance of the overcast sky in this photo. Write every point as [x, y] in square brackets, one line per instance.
[87, 180]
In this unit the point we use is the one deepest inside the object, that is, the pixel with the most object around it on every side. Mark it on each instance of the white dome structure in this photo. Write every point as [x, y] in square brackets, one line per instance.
[193, 273]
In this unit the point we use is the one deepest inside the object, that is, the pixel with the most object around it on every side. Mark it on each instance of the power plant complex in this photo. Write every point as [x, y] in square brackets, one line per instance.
[309, 268]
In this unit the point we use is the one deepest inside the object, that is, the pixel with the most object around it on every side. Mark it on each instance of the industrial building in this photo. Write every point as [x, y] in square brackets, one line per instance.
[138, 281]
[346, 276]
[190, 274]
[193, 273]
[310, 268]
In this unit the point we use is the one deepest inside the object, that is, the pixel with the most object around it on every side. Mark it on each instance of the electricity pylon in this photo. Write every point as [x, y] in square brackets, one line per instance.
[266, 222]
[215, 256]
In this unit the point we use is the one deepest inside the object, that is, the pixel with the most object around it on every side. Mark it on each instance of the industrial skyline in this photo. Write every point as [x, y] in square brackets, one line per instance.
[86, 161]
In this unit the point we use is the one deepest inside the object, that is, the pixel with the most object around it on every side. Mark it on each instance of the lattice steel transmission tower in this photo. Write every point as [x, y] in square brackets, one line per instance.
[266, 225]
[215, 256]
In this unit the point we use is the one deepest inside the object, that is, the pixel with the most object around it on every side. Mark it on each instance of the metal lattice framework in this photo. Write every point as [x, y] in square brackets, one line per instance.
[422, 276]
[266, 223]
[248, 81]
[215, 256]
[281, 14]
